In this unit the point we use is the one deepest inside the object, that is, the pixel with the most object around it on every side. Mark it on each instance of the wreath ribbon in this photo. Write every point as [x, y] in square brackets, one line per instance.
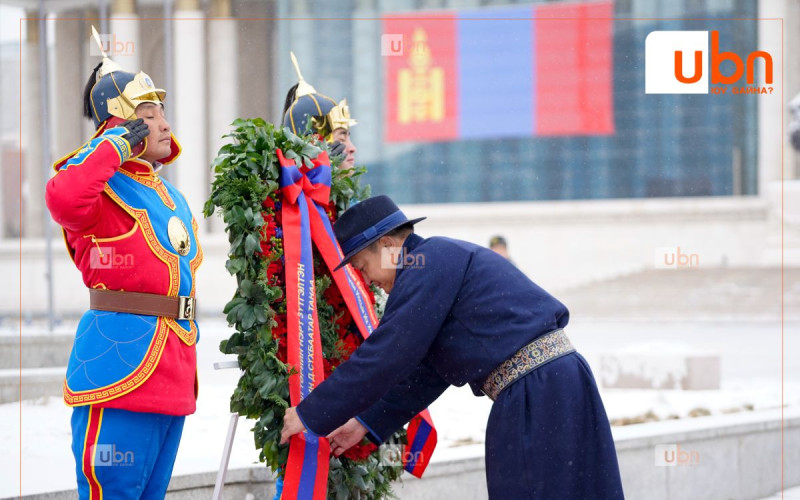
[306, 192]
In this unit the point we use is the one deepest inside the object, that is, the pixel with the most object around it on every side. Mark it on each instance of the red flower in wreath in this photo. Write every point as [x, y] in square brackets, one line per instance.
[274, 268]
[282, 349]
[280, 329]
[360, 452]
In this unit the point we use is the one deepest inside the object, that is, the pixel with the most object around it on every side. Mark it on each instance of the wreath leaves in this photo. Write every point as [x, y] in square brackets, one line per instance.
[245, 192]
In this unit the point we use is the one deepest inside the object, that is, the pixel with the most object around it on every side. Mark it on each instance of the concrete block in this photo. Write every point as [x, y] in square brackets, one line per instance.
[36, 383]
[652, 370]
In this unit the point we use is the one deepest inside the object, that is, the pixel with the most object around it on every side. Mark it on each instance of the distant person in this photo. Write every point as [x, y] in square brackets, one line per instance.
[500, 246]
[794, 123]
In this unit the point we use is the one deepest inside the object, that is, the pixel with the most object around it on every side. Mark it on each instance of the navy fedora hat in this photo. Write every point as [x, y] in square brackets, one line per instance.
[364, 223]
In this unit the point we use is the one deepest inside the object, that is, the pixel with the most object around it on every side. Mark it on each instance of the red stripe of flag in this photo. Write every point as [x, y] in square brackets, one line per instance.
[573, 68]
[422, 79]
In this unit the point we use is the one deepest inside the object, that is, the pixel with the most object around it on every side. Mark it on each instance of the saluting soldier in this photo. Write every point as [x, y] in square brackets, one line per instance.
[131, 375]
[457, 314]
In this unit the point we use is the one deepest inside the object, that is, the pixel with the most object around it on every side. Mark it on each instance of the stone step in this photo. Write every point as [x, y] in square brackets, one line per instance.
[693, 292]
[671, 371]
[38, 350]
[36, 383]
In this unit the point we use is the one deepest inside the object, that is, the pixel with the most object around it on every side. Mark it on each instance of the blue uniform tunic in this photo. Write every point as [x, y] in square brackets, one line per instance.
[456, 312]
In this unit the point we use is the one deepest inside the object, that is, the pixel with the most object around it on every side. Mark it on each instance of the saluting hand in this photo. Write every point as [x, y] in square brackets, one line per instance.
[336, 149]
[291, 425]
[137, 131]
[346, 436]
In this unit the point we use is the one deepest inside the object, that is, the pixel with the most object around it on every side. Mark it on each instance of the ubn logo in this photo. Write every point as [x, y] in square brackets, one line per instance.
[396, 258]
[676, 62]
[673, 258]
[108, 257]
[107, 455]
[394, 455]
[671, 455]
[112, 46]
[392, 44]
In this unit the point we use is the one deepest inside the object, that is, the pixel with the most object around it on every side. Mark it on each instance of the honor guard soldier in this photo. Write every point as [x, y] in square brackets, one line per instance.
[306, 111]
[132, 374]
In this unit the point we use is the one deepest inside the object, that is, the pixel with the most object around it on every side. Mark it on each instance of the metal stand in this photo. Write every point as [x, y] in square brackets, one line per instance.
[226, 450]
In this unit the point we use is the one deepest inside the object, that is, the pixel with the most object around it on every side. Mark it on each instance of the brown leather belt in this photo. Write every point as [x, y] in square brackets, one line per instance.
[149, 304]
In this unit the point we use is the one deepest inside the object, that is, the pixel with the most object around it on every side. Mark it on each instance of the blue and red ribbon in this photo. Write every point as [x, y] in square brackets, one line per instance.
[309, 455]
[306, 192]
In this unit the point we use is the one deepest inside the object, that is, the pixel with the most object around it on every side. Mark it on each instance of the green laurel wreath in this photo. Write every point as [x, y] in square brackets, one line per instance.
[245, 191]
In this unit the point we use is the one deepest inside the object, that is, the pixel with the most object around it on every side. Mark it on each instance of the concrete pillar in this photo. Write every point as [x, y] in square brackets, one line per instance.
[223, 79]
[190, 101]
[124, 43]
[771, 107]
[777, 161]
[32, 169]
[300, 32]
[791, 33]
[70, 77]
[88, 61]
[365, 102]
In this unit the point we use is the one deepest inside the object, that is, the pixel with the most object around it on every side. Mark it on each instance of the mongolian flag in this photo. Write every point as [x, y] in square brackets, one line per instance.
[539, 70]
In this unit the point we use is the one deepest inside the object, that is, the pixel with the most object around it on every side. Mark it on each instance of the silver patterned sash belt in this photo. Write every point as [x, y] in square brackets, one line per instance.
[539, 352]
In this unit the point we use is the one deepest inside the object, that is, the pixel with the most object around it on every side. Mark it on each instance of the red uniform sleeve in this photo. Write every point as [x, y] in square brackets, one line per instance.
[73, 194]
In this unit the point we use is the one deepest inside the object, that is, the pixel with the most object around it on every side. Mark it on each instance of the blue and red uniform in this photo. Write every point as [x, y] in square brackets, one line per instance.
[131, 378]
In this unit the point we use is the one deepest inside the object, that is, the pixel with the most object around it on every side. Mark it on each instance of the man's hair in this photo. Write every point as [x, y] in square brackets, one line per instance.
[497, 240]
[87, 92]
[289, 100]
[401, 232]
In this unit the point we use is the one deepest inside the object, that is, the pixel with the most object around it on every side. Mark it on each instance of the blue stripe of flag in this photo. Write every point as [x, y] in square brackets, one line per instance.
[417, 446]
[495, 73]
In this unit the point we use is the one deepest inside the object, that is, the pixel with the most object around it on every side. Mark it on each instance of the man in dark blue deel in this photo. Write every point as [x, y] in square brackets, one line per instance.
[460, 314]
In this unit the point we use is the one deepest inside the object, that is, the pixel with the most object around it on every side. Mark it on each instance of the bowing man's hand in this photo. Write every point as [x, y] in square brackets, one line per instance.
[291, 425]
[346, 436]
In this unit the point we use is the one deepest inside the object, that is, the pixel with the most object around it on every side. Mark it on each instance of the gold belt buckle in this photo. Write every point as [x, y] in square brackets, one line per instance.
[186, 307]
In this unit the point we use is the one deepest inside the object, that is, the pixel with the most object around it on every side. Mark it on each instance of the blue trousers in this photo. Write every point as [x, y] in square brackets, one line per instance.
[548, 437]
[123, 455]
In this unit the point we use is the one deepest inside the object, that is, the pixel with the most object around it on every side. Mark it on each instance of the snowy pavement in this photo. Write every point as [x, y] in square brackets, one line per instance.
[750, 354]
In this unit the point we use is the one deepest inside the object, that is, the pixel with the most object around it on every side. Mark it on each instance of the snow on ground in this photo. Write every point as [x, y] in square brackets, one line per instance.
[750, 363]
[790, 494]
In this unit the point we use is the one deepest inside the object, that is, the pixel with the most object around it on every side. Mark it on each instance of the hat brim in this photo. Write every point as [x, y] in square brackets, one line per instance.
[348, 256]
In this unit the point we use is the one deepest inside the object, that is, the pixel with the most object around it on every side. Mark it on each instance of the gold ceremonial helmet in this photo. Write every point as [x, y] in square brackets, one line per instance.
[326, 114]
[117, 92]
[112, 98]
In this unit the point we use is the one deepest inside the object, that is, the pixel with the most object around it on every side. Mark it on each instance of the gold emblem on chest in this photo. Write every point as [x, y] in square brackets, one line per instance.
[179, 236]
